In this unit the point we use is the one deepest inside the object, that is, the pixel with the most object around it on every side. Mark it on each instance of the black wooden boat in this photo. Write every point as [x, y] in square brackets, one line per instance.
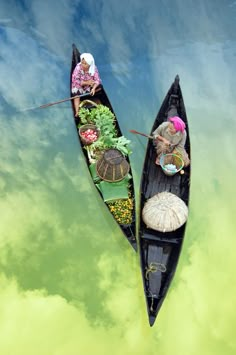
[159, 251]
[101, 96]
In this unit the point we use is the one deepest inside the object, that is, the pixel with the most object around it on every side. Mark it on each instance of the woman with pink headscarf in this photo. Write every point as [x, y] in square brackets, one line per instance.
[85, 78]
[170, 138]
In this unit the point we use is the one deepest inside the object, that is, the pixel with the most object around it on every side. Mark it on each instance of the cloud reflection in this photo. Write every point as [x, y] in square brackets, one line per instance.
[58, 323]
[65, 265]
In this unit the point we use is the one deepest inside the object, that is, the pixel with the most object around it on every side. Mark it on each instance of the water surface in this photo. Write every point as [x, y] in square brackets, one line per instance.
[70, 283]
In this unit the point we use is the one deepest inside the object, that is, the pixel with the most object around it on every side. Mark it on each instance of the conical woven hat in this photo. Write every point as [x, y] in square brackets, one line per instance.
[165, 212]
[112, 166]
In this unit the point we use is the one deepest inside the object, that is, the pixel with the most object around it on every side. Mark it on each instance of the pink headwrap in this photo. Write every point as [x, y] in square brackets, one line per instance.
[178, 123]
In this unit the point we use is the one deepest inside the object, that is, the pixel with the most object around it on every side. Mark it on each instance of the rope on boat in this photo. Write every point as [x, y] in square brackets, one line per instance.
[154, 267]
[152, 301]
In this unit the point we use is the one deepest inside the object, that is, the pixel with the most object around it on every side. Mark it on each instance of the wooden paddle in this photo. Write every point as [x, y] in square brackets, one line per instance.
[146, 135]
[141, 134]
[60, 101]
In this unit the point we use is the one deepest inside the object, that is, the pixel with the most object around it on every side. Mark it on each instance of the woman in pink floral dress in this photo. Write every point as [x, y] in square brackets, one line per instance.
[85, 78]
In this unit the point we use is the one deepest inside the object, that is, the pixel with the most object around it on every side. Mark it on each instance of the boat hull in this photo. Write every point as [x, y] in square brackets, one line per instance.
[101, 96]
[159, 251]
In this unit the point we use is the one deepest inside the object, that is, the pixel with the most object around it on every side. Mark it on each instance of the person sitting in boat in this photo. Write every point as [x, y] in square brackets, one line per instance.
[170, 137]
[85, 78]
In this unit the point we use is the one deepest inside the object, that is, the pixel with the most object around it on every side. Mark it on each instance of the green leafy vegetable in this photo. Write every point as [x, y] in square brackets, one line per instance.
[104, 120]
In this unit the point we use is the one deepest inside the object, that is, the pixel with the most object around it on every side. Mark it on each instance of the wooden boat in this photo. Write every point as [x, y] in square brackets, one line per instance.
[159, 251]
[102, 98]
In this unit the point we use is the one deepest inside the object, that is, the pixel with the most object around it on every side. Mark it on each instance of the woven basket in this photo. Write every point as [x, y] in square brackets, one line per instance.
[88, 104]
[84, 128]
[164, 212]
[112, 166]
[171, 160]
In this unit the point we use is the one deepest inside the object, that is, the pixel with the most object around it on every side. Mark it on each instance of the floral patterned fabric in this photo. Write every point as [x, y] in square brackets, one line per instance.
[80, 75]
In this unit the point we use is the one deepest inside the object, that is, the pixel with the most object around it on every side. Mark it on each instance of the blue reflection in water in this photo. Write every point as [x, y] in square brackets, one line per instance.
[44, 183]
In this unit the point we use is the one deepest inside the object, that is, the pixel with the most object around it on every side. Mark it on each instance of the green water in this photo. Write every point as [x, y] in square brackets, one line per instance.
[70, 283]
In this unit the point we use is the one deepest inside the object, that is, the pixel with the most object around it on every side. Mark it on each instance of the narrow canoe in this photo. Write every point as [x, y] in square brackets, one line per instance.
[127, 229]
[160, 251]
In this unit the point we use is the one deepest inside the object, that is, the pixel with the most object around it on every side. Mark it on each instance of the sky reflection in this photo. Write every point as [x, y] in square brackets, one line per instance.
[66, 271]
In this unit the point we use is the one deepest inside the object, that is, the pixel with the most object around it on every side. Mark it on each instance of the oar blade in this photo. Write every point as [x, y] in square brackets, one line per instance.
[141, 134]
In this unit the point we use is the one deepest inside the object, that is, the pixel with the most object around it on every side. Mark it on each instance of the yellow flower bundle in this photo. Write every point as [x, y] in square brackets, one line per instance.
[122, 210]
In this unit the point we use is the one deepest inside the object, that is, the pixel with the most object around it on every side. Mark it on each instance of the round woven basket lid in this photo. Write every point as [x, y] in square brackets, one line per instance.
[165, 212]
[112, 166]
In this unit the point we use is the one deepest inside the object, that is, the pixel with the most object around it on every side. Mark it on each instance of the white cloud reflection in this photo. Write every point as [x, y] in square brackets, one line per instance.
[50, 325]
[28, 77]
[65, 266]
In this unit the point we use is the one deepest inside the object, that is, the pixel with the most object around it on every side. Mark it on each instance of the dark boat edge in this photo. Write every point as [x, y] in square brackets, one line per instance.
[128, 230]
[158, 247]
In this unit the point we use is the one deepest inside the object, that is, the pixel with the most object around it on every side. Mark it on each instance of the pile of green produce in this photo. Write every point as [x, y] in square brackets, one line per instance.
[104, 119]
